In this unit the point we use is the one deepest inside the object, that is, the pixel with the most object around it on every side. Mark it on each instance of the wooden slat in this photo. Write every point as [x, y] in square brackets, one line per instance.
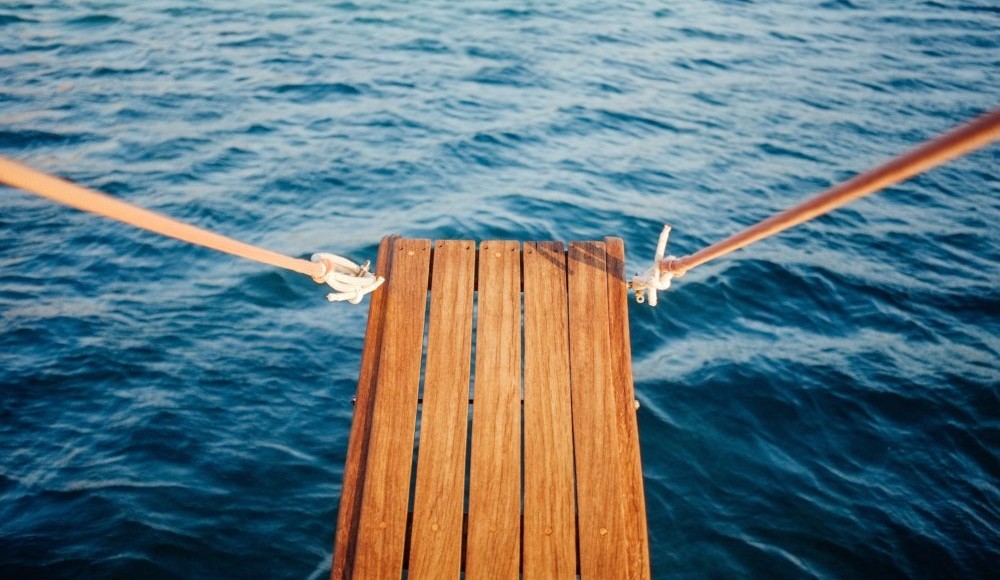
[495, 471]
[354, 465]
[549, 503]
[637, 540]
[578, 412]
[384, 501]
[599, 497]
[439, 500]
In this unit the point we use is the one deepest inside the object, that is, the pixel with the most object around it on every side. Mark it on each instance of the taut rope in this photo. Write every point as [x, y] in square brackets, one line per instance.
[966, 138]
[351, 281]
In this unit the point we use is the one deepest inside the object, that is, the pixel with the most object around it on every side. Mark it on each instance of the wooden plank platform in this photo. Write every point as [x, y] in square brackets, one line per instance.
[531, 470]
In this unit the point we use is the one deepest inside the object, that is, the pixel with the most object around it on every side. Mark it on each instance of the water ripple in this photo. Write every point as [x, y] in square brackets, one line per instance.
[823, 404]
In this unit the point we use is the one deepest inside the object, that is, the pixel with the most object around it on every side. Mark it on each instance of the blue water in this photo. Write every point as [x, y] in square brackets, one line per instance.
[825, 404]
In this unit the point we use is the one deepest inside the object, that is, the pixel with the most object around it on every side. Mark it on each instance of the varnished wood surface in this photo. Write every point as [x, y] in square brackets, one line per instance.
[439, 497]
[599, 494]
[386, 494]
[549, 499]
[569, 429]
[357, 445]
[495, 473]
[636, 536]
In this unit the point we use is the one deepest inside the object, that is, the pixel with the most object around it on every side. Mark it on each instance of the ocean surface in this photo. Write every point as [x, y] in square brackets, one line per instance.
[824, 404]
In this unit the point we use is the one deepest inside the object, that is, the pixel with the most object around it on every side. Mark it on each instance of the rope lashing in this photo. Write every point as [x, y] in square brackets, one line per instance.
[964, 139]
[350, 281]
[654, 278]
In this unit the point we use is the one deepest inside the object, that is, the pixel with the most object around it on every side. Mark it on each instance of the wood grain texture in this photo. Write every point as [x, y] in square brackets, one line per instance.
[549, 540]
[495, 471]
[385, 497]
[578, 405]
[357, 445]
[599, 493]
[636, 535]
[439, 497]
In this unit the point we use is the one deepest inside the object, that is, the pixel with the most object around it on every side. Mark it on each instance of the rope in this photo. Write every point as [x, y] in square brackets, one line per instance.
[351, 281]
[964, 139]
[653, 279]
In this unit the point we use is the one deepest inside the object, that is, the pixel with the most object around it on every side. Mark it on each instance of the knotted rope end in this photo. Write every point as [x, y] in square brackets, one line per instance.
[647, 284]
[351, 281]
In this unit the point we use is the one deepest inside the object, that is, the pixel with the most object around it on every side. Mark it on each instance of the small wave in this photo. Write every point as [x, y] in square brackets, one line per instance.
[614, 39]
[491, 53]
[374, 21]
[483, 151]
[839, 4]
[513, 13]
[259, 129]
[700, 64]
[94, 20]
[616, 117]
[13, 19]
[29, 138]
[513, 76]
[322, 568]
[256, 42]
[104, 71]
[313, 92]
[190, 10]
[713, 35]
[583, 121]
[773, 150]
[430, 45]
[304, 457]
[97, 484]
[608, 88]
[270, 290]
[69, 309]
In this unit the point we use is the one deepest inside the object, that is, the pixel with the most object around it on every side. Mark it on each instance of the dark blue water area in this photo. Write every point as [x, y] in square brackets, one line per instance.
[823, 404]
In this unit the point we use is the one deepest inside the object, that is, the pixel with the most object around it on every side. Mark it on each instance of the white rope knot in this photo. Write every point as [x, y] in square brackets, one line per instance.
[350, 280]
[647, 284]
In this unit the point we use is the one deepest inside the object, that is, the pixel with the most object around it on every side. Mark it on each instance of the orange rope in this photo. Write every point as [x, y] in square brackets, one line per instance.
[966, 138]
[48, 186]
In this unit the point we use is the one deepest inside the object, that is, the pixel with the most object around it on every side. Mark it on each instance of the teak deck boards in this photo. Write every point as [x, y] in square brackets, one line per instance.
[533, 469]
